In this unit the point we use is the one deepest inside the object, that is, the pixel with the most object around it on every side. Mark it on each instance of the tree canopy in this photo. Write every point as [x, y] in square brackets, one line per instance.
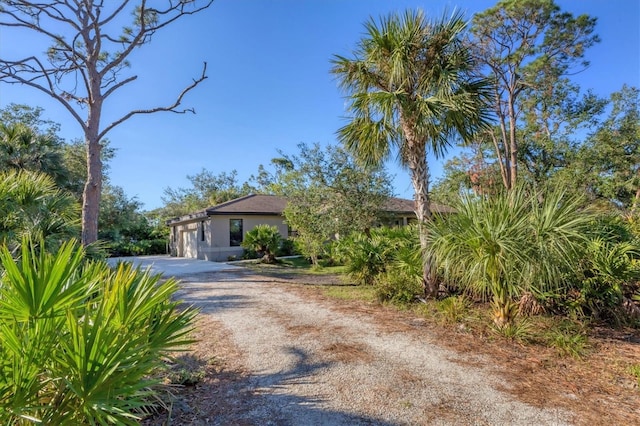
[84, 65]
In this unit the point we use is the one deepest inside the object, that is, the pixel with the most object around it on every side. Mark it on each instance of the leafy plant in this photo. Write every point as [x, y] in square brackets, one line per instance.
[31, 205]
[398, 288]
[569, 341]
[609, 268]
[517, 329]
[497, 247]
[78, 340]
[634, 369]
[265, 240]
[369, 255]
[453, 308]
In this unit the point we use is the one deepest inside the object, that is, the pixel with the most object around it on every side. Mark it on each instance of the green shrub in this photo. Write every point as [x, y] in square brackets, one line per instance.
[369, 256]
[453, 308]
[287, 248]
[498, 247]
[569, 342]
[398, 288]
[127, 247]
[610, 271]
[265, 240]
[634, 370]
[79, 341]
[519, 329]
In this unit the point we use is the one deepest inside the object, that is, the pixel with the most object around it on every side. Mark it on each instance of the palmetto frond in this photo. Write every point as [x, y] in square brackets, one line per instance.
[407, 67]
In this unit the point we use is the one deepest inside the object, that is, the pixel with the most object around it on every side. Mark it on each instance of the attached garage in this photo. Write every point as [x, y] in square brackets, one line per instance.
[189, 246]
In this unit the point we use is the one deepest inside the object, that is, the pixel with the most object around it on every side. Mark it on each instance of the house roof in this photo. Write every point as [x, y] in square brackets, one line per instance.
[251, 204]
[402, 205]
[256, 204]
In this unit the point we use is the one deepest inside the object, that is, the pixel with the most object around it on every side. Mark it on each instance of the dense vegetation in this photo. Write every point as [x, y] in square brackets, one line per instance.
[79, 340]
[546, 199]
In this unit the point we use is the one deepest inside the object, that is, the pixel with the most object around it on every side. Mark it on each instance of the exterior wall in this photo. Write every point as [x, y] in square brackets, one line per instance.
[215, 246]
[219, 250]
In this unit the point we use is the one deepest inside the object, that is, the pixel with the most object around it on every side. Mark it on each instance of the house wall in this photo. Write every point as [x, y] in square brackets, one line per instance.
[215, 246]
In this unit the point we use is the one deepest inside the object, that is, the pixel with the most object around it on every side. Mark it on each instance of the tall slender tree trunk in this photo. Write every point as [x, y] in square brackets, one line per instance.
[92, 192]
[417, 160]
[513, 145]
[93, 185]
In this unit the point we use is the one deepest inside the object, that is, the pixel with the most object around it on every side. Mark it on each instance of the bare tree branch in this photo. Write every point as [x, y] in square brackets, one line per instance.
[85, 61]
[6, 71]
[170, 108]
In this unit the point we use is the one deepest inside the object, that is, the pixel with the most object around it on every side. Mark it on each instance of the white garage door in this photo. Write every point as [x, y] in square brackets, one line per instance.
[190, 244]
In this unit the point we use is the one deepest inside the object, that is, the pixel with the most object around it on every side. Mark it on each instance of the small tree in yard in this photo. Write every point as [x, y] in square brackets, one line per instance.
[82, 67]
[265, 239]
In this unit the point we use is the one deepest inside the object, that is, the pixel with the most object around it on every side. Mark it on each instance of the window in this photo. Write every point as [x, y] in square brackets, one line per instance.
[202, 231]
[235, 232]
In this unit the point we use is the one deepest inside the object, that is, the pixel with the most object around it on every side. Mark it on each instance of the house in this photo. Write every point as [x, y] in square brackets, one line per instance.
[216, 233]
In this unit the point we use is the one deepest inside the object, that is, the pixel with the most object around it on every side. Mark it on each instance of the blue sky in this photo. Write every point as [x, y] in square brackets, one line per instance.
[269, 85]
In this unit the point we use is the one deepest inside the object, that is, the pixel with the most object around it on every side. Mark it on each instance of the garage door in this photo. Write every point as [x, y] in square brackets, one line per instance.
[190, 244]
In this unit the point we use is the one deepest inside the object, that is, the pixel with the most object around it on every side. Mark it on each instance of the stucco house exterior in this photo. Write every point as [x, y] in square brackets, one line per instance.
[216, 233]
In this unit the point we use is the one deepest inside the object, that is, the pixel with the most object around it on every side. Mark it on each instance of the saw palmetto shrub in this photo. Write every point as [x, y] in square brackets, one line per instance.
[79, 341]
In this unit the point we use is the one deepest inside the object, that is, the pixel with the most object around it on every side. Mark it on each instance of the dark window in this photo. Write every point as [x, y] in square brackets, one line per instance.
[235, 232]
[202, 231]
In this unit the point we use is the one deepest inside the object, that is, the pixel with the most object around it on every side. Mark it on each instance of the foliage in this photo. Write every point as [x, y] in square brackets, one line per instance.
[83, 65]
[497, 247]
[125, 229]
[634, 370]
[527, 47]
[399, 288]
[387, 258]
[454, 308]
[31, 205]
[411, 88]
[207, 189]
[21, 148]
[329, 195]
[265, 240]
[609, 166]
[30, 142]
[368, 255]
[287, 248]
[79, 340]
[569, 339]
[610, 272]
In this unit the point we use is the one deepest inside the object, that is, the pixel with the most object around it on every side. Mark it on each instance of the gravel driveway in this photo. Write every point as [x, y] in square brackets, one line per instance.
[309, 364]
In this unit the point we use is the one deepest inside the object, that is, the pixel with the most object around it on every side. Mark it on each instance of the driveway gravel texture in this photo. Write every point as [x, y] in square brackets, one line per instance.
[305, 363]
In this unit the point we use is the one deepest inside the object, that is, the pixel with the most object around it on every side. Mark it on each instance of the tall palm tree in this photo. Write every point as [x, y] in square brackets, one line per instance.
[412, 88]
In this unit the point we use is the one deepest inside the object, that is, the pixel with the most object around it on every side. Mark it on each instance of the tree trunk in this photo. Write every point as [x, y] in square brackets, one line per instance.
[513, 144]
[417, 160]
[91, 194]
[93, 186]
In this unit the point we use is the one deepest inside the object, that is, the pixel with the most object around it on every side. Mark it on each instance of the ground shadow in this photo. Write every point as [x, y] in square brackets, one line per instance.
[225, 397]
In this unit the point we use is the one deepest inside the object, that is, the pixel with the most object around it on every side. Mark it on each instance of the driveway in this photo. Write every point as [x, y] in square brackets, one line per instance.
[301, 360]
[174, 266]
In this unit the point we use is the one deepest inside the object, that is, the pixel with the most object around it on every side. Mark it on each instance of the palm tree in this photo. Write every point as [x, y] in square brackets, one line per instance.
[502, 246]
[32, 206]
[412, 88]
[264, 239]
[22, 148]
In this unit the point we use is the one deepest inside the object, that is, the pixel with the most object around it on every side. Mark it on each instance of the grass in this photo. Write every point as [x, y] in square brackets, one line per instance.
[351, 292]
[635, 372]
[299, 265]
